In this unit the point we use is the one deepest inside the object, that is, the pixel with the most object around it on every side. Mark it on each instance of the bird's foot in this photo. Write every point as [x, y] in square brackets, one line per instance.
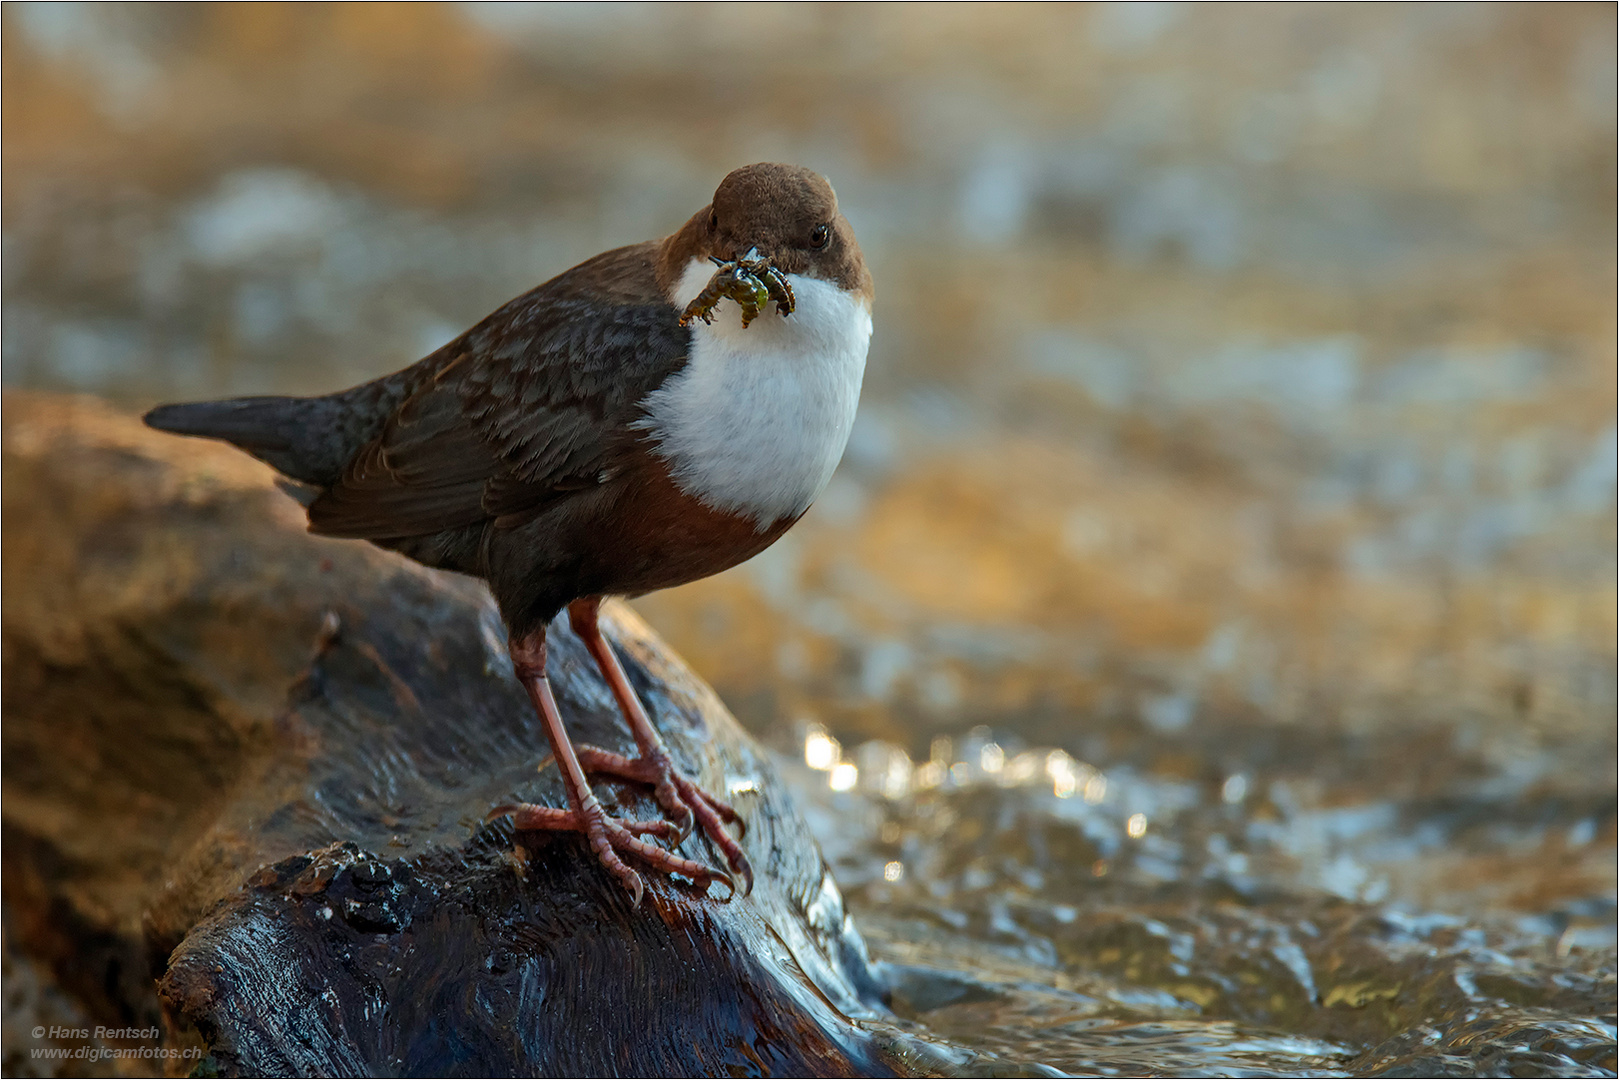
[609, 835]
[681, 799]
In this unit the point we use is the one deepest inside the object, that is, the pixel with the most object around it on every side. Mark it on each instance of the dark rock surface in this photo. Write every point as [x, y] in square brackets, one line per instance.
[253, 764]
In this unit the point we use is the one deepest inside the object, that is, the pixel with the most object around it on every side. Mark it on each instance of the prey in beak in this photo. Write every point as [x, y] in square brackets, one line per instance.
[750, 280]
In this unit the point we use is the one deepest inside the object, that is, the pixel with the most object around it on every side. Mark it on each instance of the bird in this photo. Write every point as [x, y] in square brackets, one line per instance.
[616, 430]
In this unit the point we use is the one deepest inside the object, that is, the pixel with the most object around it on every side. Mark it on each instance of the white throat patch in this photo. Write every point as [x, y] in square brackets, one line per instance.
[757, 420]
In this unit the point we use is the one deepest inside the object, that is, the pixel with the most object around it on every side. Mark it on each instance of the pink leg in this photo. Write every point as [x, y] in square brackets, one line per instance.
[607, 836]
[679, 797]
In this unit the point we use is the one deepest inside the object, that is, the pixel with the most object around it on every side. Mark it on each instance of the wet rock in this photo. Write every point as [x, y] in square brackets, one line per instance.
[253, 765]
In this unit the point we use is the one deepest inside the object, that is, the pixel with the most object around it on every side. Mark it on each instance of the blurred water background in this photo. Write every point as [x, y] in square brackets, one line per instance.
[1204, 657]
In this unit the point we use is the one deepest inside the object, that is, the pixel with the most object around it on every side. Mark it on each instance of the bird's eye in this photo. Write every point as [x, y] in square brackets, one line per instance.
[820, 235]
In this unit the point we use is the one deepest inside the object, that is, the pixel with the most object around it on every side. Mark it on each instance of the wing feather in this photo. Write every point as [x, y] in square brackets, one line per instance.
[537, 405]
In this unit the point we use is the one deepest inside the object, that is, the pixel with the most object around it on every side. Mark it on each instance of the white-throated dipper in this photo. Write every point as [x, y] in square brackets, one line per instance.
[618, 429]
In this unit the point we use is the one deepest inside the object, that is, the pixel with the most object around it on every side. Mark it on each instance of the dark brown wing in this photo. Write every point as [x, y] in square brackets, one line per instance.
[536, 403]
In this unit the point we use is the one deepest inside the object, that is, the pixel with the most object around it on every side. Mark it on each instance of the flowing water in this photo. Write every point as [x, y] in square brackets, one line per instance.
[1045, 914]
[1204, 659]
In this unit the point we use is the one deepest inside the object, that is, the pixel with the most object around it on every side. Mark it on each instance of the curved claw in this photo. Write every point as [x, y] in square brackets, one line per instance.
[730, 883]
[684, 826]
[668, 797]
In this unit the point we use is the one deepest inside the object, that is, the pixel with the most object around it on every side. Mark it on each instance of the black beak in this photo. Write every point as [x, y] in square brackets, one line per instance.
[750, 257]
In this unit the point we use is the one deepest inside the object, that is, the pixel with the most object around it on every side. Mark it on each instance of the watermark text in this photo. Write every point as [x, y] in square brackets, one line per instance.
[93, 1052]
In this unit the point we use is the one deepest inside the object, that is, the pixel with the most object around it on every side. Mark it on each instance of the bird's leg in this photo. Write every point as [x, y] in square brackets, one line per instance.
[680, 798]
[608, 836]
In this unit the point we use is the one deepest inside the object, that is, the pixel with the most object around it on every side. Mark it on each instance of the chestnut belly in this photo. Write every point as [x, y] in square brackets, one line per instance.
[634, 534]
[659, 537]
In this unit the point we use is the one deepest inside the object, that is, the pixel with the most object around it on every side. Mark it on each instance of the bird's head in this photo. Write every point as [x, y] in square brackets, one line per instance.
[787, 214]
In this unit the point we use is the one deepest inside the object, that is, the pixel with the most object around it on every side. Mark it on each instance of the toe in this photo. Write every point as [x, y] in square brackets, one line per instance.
[661, 829]
[744, 870]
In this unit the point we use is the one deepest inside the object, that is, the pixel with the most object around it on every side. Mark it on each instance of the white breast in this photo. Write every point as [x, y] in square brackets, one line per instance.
[757, 420]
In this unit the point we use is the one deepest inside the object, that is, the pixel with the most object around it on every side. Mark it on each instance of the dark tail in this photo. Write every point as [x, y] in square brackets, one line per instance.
[299, 437]
[309, 439]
